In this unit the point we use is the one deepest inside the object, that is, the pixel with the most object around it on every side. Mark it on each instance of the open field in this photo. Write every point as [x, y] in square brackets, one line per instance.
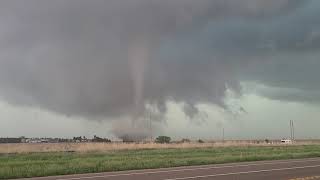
[60, 163]
[89, 147]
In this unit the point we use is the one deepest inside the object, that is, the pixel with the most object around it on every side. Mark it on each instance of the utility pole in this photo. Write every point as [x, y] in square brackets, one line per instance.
[292, 135]
[150, 124]
[291, 130]
[223, 135]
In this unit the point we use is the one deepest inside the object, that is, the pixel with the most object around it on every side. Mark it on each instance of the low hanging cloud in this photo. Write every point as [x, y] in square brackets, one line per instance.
[106, 59]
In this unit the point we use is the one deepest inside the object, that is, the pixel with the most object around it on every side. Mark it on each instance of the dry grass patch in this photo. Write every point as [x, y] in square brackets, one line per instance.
[93, 147]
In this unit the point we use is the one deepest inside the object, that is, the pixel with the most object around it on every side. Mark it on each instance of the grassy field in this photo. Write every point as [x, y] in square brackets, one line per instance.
[89, 147]
[60, 163]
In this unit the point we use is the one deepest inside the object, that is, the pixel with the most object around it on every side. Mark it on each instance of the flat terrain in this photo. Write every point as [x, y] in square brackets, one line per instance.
[63, 163]
[89, 147]
[297, 169]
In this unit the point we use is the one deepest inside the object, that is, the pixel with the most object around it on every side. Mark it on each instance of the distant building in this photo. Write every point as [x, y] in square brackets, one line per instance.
[37, 140]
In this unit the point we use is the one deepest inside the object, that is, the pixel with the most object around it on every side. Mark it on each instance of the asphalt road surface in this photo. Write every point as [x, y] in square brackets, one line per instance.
[298, 169]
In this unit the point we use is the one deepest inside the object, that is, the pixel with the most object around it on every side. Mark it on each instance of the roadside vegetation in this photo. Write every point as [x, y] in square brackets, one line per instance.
[61, 163]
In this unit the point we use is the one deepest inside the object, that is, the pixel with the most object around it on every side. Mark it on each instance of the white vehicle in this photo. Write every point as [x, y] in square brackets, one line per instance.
[286, 141]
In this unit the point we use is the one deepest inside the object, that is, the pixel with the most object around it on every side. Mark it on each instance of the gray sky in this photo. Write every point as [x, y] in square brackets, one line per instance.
[74, 67]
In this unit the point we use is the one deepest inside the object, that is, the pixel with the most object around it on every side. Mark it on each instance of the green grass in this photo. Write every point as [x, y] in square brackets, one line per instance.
[48, 164]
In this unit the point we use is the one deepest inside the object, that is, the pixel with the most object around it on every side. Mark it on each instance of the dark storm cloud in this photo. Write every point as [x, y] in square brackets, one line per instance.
[110, 58]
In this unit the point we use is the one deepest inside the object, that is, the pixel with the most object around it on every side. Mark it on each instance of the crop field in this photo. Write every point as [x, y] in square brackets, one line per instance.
[20, 165]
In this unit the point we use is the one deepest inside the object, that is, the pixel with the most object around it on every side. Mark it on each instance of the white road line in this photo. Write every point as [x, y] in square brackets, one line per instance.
[187, 169]
[247, 172]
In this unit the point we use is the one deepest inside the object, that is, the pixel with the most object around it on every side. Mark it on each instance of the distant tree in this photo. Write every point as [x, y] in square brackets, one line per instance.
[200, 141]
[10, 140]
[99, 139]
[185, 140]
[163, 139]
[77, 139]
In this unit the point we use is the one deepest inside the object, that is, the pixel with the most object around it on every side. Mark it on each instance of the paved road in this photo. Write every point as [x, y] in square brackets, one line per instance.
[300, 169]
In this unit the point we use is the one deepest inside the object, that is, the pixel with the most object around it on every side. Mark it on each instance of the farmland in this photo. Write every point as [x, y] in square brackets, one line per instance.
[23, 164]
